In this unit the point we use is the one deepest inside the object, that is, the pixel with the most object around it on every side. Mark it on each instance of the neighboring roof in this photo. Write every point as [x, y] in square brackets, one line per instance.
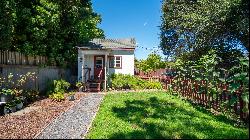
[111, 43]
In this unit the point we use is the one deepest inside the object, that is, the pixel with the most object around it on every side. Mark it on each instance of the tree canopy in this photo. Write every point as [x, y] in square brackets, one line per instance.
[198, 25]
[48, 27]
[153, 62]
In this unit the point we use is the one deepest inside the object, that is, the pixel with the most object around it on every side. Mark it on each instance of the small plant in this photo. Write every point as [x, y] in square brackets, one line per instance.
[58, 86]
[79, 84]
[58, 96]
[19, 103]
[11, 106]
[18, 92]
[6, 95]
[30, 95]
[7, 92]
[57, 89]
[17, 100]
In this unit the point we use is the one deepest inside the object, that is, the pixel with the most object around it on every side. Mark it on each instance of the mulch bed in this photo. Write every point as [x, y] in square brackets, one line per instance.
[28, 125]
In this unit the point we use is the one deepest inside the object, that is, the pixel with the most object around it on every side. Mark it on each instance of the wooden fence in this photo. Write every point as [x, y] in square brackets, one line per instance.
[19, 64]
[189, 89]
[157, 74]
[16, 58]
[43, 75]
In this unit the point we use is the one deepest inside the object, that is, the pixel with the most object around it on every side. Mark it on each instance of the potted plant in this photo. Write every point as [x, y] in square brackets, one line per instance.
[24, 100]
[6, 110]
[19, 103]
[71, 96]
[18, 92]
[30, 95]
[11, 106]
[79, 85]
[6, 95]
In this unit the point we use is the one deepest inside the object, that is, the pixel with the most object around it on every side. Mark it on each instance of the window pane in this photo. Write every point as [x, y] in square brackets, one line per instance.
[118, 58]
[98, 62]
[118, 65]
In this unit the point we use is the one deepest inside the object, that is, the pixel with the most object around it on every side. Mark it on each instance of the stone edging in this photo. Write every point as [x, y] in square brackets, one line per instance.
[55, 119]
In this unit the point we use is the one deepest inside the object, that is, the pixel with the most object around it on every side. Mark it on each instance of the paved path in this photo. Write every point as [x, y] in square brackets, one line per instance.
[73, 124]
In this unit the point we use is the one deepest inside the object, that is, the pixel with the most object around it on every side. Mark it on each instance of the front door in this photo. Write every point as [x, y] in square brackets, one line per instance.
[99, 67]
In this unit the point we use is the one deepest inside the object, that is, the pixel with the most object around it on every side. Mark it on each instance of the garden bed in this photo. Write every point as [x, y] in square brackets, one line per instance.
[151, 115]
[27, 124]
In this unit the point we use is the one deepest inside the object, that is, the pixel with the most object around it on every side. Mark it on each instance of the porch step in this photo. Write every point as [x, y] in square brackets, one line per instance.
[94, 87]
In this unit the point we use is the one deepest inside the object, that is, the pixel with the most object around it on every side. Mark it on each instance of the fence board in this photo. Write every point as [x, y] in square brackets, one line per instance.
[43, 75]
[16, 58]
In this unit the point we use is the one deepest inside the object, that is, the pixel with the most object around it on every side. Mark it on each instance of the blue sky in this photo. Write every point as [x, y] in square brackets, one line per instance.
[131, 18]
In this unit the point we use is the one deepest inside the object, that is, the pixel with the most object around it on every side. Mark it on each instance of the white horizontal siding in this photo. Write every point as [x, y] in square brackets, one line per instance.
[127, 62]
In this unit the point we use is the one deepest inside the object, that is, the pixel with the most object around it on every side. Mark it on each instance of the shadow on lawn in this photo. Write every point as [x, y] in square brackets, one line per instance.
[146, 117]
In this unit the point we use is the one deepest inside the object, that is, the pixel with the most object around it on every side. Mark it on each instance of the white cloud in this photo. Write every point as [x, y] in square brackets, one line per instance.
[145, 23]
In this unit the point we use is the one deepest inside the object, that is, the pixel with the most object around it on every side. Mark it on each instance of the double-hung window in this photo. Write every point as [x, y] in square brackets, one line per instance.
[115, 62]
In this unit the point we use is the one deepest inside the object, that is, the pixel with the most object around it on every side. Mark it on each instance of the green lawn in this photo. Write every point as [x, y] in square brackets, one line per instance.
[158, 115]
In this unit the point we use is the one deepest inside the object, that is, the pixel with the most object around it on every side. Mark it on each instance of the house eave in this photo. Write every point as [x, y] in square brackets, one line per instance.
[88, 48]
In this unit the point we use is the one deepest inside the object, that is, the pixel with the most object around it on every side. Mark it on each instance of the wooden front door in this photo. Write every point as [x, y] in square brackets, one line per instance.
[99, 67]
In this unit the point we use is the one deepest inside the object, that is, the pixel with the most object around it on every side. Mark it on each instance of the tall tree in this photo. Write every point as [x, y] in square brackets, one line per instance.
[198, 25]
[48, 27]
[7, 21]
[153, 62]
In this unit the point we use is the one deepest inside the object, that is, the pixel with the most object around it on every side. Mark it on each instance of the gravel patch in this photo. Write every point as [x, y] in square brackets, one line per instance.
[26, 110]
[74, 123]
[31, 120]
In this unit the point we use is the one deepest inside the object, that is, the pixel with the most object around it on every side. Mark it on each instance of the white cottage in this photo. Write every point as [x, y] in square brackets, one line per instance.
[102, 57]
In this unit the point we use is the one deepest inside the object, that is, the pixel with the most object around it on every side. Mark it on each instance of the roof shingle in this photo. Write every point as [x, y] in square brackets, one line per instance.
[98, 43]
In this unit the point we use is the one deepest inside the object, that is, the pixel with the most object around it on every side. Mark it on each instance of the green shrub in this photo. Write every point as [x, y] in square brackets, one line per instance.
[79, 84]
[118, 81]
[56, 89]
[153, 85]
[57, 96]
[125, 81]
[17, 100]
[30, 95]
[7, 91]
[58, 86]
[10, 104]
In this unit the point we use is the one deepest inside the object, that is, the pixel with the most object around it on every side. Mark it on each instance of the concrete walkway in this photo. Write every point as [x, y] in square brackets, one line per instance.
[74, 123]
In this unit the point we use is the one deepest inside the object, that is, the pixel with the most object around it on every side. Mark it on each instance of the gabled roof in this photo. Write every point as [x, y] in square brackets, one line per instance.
[111, 43]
